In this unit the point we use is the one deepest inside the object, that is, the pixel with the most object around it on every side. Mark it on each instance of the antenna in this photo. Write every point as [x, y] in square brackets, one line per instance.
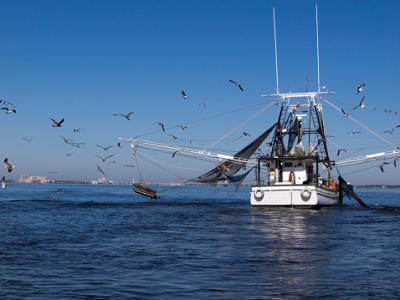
[316, 21]
[276, 53]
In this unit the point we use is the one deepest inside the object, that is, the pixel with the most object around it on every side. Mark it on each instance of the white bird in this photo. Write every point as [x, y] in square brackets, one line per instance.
[105, 158]
[7, 103]
[126, 116]
[9, 111]
[105, 148]
[162, 126]
[101, 171]
[8, 165]
[28, 139]
[360, 87]
[361, 105]
[338, 152]
[57, 124]
[344, 113]
[3, 182]
[381, 165]
[237, 84]
[184, 96]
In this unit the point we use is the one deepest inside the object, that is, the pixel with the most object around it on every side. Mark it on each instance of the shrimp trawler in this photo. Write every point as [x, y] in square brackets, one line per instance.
[294, 171]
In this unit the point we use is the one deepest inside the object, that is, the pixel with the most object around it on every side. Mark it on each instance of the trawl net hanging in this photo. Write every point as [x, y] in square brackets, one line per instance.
[229, 167]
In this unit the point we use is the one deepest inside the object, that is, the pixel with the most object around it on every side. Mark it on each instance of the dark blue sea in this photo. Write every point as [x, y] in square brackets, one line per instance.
[106, 242]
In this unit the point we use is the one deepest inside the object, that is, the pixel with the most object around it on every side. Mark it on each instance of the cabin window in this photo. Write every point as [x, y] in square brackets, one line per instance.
[288, 165]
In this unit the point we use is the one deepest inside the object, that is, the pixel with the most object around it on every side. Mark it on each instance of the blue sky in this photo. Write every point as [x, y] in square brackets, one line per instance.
[87, 60]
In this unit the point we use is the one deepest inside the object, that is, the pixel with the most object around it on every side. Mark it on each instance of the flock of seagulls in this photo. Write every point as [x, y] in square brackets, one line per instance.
[361, 105]
[9, 108]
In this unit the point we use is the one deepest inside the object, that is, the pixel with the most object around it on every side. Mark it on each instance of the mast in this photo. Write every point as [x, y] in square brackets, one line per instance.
[316, 21]
[276, 54]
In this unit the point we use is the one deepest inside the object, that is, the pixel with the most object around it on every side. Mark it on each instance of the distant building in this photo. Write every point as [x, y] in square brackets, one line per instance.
[32, 179]
[102, 180]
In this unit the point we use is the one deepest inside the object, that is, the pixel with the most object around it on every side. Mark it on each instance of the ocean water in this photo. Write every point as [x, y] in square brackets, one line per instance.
[106, 242]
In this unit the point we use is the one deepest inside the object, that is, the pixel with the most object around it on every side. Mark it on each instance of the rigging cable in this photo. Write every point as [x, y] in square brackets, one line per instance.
[240, 125]
[359, 123]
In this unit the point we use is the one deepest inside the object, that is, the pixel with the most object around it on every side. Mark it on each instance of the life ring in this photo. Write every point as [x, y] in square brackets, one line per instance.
[306, 193]
[258, 195]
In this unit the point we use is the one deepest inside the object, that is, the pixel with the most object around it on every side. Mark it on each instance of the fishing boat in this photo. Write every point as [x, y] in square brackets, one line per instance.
[299, 152]
[295, 170]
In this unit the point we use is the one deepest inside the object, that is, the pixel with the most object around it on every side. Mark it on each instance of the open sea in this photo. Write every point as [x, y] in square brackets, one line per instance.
[106, 242]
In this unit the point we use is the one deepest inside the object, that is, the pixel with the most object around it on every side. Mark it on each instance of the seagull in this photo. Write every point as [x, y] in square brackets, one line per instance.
[381, 165]
[101, 171]
[394, 162]
[354, 132]
[27, 139]
[9, 111]
[338, 152]
[69, 154]
[173, 154]
[104, 159]
[126, 116]
[360, 87]
[237, 84]
[202, 104]
[162, 126]
[184, 96]
[7, 103]
[105, 148]
[175, 138]
[361, 105]
[246, 134]
[8, 165]
[57, 124]
[68, 141]
[78, 130]
[3, 182]
[344, 113]
[182, 127]
[129, 166]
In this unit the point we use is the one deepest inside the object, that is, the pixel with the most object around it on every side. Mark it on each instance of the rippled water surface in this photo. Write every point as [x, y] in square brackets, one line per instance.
[106, 242]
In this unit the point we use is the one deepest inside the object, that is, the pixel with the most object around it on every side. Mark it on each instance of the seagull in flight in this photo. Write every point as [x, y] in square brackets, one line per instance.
[360, 87]
[8, 165]
[126, 116]
[344, 113]
[28, 139]
[9, 111]
[78, 129]
[162, 126]
[105, 148]
[381, 165]
[104, 159]
[338, 152]
[202, 104]
[354, 132]
[182, 127]
[101, 171]
[57, 124]
[237, 84]
[7, 103]
[3, 182]
[361, 105]
[184, 96]
[175, 138]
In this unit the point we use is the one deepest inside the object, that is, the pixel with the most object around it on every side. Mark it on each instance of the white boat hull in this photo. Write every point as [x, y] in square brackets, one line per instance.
[306, 196]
